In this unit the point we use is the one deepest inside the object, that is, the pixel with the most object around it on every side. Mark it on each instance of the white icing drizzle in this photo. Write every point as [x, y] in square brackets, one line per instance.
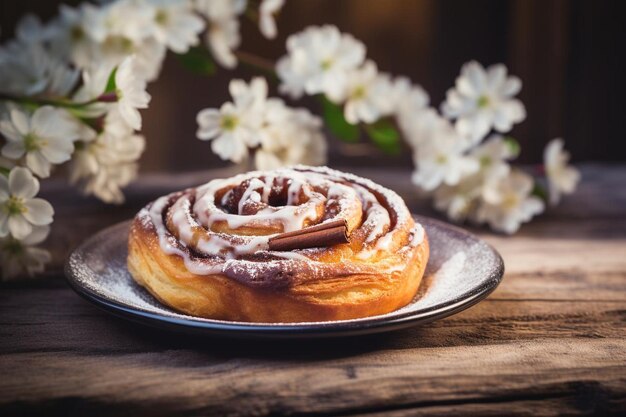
[309, 193]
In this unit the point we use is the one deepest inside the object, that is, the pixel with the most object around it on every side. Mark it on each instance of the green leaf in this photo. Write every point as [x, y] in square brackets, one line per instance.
[111, 87]
[384, 134]
[513, 145]
[540, 191]
[337, 123]
[4, 171]
[198, 60]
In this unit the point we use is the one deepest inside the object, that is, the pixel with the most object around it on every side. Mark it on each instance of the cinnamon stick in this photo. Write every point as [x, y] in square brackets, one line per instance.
[321, 235]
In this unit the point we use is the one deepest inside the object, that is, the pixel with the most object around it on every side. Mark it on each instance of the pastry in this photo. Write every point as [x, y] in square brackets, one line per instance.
[296, 244]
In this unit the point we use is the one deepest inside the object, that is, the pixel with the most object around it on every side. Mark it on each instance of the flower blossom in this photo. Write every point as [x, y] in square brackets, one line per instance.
[562, 178]
[19, 211]
[131, 92]
[235, 126]
[18, 256]
[267, 10]
[511, 203]
[175, 24]
[319, 60]
[106, 164]
[46, 138]
[482, 100]
[439, 152]
[223, 32]
[366, 95]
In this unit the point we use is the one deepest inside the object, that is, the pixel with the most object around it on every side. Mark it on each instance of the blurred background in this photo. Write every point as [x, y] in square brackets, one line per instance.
[569, 55]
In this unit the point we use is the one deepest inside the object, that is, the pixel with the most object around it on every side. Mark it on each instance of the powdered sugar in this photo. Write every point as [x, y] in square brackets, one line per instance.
[184, 221]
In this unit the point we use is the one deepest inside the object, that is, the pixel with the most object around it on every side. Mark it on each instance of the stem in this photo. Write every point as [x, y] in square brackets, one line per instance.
[256, 61]
[44, 102]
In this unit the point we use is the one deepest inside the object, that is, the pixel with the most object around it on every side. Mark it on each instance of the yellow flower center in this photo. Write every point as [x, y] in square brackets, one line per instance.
[510, 201]
[161, 17]
[77, 33]
[14, 206]
[358, 92]
[32, 143]
[229, 123]
[482, 102]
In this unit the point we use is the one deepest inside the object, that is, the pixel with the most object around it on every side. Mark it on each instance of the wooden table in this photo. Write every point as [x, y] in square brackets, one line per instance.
[551, 339]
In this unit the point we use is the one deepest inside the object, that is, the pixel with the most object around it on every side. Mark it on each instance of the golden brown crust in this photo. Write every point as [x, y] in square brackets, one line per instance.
[219, 297]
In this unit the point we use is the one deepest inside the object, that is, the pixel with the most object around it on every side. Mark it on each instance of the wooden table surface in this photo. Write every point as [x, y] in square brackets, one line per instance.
[550, 340]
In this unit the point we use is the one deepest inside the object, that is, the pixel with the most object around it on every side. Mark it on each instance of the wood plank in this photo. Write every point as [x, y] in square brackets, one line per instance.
[549, 341]
[57, 320]
[195, 382]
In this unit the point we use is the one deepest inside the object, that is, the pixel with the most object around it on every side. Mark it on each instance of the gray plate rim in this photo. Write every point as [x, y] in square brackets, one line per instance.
[375, 324]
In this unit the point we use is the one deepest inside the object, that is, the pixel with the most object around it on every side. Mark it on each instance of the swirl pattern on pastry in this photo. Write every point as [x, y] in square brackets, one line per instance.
[222, 229]
[225, 225]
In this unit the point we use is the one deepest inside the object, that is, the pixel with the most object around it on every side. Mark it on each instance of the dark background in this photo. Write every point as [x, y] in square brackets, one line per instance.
[569, 55]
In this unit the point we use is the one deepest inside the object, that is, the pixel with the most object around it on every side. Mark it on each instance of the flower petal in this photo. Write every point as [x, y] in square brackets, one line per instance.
[4, 224]
[38, 211]
[58, 151]
[13, 150]
[38, 164]
[38, 235]
[20, 121]
[4, 188]
[9, 131]
[19, 227]
[22, 183]
[496, 76]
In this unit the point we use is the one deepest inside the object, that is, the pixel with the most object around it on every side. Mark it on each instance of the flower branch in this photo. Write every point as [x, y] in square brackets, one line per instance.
[71, 90]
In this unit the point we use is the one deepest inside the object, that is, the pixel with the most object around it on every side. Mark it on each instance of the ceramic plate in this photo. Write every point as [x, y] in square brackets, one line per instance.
[461, 271]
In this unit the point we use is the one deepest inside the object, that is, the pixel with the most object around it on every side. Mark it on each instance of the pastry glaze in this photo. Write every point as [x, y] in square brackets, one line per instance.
[204, 251]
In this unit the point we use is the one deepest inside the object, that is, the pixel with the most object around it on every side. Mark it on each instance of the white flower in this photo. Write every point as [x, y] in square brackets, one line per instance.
[562, 179]
[251, 96]
[93, 87]
[46, 138]
[30, 29]
[176, 25]
[319, 60]
[407, 99]
[149, 56]
[267, 10]
[131, 92]
[235, 126]
[109, 180]
[228, 130]
[461, 201]
[438, 152]
[366, 95]
[19, 211]
[482, 100]
[216, 10]
[69, 36]
[290, 137]
[105, 165]
[511, 205]
[29, 69]
[129, 19]
[223, 31]
[17, 256]
[93, 37]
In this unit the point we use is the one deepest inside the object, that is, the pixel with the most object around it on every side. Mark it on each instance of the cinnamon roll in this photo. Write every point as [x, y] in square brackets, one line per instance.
[207, 251]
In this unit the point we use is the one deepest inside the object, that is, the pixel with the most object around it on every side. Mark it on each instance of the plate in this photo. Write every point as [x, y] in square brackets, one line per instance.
[461, 271]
